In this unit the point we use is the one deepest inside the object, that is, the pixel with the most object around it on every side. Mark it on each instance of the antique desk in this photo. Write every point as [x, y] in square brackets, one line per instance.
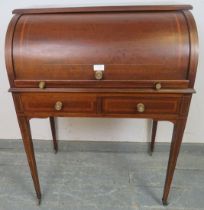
[125, 62]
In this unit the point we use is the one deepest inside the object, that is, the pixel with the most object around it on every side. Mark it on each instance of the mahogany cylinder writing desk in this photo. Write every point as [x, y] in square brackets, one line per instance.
[125, 62]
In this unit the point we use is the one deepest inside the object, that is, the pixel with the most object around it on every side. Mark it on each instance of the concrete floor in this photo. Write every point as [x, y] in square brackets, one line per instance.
[100, 181]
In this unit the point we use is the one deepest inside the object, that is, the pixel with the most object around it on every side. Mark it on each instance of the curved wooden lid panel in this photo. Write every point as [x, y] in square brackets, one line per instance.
[131, 45]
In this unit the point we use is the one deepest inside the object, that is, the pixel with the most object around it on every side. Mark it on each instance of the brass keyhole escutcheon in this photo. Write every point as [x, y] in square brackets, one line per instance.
[140, 107]
[98, 75]
[58, 106]
[158, 86]
[41, 85]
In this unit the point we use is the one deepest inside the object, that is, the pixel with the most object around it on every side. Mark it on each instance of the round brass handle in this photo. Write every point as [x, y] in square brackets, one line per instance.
[98, 75]
[41, 85]
[58, 105]
[140, 107]
[158, 86]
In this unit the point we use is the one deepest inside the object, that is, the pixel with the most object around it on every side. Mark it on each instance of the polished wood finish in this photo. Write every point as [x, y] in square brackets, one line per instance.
[53, 130]
[153, 104]
[179, 128]
[154, 131]
[102, 90]
[123, 60]
[71, 103]
[103, 9]
[148, 55]
[28, 145]
[167, 84]
[193, 38]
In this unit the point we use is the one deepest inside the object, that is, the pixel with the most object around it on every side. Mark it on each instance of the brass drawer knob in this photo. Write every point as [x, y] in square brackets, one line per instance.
[158, 86]
[98, 75]
[58, 106]
[140, 107]
[41, 85]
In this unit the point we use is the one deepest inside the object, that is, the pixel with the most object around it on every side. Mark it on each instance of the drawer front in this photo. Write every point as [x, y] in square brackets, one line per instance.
[140, 105]
[151, 84]
[58, 102]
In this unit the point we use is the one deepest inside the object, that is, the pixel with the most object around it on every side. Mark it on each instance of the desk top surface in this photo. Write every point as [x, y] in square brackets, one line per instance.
[103, 9]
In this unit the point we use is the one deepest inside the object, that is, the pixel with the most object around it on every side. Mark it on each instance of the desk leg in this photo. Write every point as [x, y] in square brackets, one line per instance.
[28, 145]
[154, 130]
[178, 131]
[53, 129]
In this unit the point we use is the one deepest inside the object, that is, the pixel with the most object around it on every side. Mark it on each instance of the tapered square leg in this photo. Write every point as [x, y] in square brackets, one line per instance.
[28, 145]
[53, 130]
[154, 131]
[178, 131]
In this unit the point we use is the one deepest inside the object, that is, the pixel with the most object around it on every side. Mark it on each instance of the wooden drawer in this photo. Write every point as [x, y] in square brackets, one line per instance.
[140, 105]
[58, 102]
